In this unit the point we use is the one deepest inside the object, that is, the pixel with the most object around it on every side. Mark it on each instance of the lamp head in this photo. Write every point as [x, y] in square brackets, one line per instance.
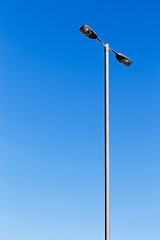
[126, 61]
[88, 32]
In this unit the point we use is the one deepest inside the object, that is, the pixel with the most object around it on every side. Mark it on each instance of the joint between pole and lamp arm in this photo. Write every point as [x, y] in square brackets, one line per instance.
[105, 45]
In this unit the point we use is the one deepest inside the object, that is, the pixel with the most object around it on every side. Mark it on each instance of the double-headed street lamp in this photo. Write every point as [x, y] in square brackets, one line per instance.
[88, 32]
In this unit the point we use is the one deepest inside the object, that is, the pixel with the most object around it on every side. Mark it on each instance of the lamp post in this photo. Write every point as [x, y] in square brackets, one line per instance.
[88, 32]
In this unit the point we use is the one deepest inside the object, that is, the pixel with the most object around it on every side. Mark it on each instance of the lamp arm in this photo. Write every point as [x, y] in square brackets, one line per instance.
[101, 41]
[113, 50]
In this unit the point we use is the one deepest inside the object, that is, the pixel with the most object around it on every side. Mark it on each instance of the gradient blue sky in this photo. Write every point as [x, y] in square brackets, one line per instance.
[51, 120]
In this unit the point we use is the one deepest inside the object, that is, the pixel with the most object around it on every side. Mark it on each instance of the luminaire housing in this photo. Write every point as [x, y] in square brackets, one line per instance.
[88, 32]
[126, 61]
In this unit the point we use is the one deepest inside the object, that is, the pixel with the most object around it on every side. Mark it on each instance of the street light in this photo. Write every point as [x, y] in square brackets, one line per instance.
[126, 61]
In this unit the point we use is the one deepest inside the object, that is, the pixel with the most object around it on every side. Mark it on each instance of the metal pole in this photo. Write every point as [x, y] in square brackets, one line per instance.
[107, 184]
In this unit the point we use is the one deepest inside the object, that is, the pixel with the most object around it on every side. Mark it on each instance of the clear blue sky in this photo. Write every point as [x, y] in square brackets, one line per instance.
[51, 120]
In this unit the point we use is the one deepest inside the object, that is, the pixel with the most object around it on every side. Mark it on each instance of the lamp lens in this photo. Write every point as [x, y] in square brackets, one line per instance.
[125, 62]
[87, 31]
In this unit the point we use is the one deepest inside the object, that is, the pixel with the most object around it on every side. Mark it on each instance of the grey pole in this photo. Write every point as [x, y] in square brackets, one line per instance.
[107, 178]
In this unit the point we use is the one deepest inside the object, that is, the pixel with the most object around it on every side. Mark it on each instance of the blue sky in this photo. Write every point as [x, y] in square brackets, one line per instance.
[51, 120]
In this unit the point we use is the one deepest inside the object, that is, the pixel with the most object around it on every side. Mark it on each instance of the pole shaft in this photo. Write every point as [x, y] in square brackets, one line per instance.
[107, 178]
